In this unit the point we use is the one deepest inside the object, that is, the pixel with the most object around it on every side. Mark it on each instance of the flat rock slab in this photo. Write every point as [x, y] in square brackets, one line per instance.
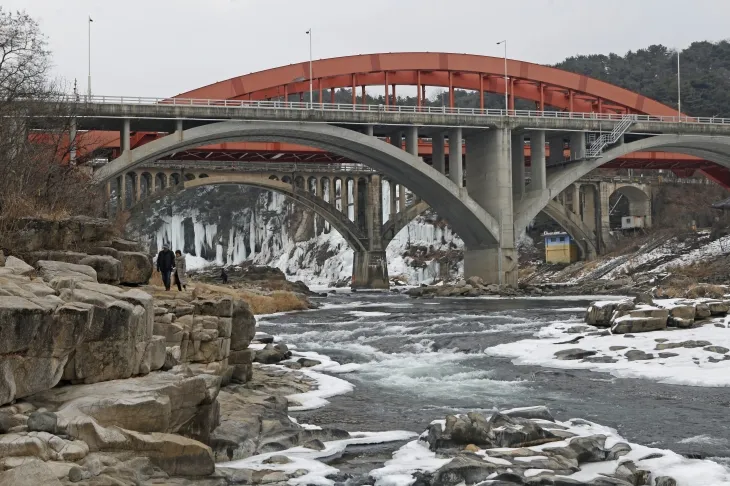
[573, 353]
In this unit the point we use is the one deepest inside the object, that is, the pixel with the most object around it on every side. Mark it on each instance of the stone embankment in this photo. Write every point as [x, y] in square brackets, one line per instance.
[105, 384]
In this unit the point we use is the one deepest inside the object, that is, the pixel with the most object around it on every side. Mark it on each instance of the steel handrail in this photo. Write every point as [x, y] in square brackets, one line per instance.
[440, 110]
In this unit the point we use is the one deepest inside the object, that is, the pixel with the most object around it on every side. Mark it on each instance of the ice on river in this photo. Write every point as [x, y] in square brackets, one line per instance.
[303, 458]
[691, 366]
[416, 457]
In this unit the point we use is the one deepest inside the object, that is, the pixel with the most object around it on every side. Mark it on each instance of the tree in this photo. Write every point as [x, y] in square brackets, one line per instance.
[35, 125]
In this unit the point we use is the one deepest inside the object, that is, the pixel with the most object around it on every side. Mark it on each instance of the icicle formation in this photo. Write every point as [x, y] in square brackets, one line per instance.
[260, 233]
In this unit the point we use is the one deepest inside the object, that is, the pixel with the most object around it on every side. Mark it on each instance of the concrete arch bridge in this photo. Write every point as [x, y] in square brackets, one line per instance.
[479, 186]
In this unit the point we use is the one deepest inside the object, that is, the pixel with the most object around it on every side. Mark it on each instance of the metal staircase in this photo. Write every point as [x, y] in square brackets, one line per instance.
[596, 148]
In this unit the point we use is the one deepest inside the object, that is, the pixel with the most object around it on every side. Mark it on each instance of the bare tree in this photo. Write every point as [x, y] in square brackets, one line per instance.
[37, 177]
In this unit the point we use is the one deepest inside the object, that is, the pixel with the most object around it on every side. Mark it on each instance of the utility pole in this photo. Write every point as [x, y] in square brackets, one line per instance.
[679, 91]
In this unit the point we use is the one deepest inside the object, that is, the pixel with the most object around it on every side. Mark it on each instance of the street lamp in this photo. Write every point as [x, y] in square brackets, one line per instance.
[506, 101]
[679, 91]
[88, 88]
[311, 99]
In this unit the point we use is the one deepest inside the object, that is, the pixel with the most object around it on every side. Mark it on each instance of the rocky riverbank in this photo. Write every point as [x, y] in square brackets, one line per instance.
[107, 384]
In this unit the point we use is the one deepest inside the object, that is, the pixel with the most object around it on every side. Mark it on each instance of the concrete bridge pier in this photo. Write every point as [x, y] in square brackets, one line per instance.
[370, 266]
[489, 159]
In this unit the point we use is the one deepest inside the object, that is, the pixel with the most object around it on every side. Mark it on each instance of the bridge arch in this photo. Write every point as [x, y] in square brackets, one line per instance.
[471, 222]
[546, 86]
[583, 236]
[713, 148]
[639, 201]
[327, 211]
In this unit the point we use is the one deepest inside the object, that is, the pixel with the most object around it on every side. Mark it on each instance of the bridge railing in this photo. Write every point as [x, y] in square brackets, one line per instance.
[267, 167]
[340, 107]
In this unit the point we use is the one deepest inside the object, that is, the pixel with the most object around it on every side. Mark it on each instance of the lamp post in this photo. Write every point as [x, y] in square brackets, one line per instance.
[311, 91]
[506, 99]
[679, 91]
[88, 87]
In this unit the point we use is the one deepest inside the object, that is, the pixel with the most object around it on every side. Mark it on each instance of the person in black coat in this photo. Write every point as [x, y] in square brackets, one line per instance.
[165, 264]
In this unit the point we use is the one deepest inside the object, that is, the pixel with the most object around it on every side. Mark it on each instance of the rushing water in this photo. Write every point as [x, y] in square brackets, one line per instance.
[422, 359]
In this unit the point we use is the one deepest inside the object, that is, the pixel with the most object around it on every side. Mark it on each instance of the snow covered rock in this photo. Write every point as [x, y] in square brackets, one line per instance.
[718, 308]
[643, 319]
[600, 313]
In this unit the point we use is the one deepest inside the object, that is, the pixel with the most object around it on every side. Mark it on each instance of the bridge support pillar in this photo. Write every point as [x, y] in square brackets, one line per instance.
[122, 193]
[396, 139]
[490, 185]
[576, 199]
[369, 130]
[370, 270]
[72, 141]
[370, 267]
[518, 165]
[605, 214]
[391, 198]
[577, 145]
[438, 156]
[412, 140]
[537, 157]
[125, 136]
[556, 150]
[455, 163]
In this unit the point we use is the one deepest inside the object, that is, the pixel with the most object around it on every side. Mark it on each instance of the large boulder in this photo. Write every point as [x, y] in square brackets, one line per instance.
[640, 320]
[18, 266]
[30, 473]
[35, 344]
[117, 342]
[108, 269]
[124, 245]
[243, 325]
[600, 313]
[50, 270]
[136, 268]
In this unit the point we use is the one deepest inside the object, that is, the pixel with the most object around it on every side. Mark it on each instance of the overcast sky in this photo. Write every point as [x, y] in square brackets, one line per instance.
[164, 47]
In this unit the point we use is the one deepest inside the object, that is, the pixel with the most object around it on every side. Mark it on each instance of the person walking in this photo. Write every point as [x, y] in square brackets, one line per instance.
[181, 278]
[224, 275]
[165, 264]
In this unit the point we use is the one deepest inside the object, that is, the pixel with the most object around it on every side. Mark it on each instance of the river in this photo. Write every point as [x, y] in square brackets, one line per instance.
[420, 360]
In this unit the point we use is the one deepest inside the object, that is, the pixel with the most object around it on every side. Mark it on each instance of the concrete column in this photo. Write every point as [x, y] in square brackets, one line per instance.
[369, 129]
[439, 159]
[125, 136]
[137, 187]
[123, 192]
[455, 159]
[153, 183]
[576, 199]
[72, 145]
[577, 145]
[401, 198]
[537, 156]
[393, 210]
[604, 211]
[370, 267]
[589, 206]
[396, 139]
[355, 201]
[556, 150]
[108, 198]
[370, 270]
[412, 140]
[343, 196]
[490, 185]
[518, 165]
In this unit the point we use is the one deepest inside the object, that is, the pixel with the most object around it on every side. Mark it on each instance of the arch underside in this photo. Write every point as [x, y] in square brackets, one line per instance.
[319, 206]
[712, 148]
[475, 226]
[579, 232]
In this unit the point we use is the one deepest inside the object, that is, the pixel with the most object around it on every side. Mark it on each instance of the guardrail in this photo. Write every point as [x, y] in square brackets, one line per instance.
[340, 107]
[287, 167]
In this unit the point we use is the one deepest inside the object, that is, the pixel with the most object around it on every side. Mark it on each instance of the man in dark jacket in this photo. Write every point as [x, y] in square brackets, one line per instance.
[165, 264]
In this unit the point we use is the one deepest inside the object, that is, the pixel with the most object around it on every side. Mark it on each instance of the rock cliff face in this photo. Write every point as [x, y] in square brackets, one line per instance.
[232, 225]
[102, 384]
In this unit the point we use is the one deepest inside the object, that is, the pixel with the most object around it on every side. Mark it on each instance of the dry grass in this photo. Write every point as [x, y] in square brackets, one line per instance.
[276, 301]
